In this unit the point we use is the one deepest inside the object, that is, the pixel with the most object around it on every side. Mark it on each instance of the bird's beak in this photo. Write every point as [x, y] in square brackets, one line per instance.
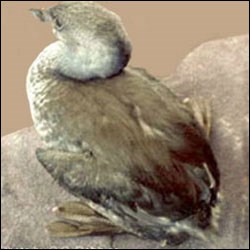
[41, 14]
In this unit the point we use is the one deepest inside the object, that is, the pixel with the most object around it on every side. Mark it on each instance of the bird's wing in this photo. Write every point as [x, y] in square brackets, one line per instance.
[170, 191]
[187, 140]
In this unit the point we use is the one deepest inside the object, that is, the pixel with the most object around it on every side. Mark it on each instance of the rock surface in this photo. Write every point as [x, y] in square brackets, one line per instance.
[217, 70]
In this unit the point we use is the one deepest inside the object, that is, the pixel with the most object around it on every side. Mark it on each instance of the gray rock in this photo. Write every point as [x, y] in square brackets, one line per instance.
[217, 70]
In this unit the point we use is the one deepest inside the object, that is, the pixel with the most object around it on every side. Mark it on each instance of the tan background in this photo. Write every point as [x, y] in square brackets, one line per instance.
[162, 34]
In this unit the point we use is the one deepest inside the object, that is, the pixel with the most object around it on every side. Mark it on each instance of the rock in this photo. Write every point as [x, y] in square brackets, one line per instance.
[217, 70]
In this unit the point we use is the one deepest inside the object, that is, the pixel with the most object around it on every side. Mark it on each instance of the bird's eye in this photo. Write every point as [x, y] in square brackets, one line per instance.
[58, 24]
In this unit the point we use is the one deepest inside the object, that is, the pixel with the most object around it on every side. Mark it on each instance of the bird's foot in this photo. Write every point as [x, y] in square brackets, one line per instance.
[75, 219]
[201, 108]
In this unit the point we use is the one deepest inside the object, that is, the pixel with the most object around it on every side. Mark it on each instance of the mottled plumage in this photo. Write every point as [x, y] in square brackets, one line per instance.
[126, 145]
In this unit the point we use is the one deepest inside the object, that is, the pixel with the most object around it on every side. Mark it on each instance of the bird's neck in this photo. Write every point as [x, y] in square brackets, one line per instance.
[79, 63]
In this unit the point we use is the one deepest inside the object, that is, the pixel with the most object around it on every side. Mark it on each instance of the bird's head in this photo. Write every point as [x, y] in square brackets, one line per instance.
[88, 27]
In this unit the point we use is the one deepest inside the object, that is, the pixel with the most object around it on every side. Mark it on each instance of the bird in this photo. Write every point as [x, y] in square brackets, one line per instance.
[136, 156]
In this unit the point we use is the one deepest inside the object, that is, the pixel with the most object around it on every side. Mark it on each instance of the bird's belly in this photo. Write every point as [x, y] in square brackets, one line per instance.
[56, 114]
[59, 130]
[64, 124]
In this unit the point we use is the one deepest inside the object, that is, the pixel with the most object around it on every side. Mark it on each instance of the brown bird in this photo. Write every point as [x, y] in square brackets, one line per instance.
[136, 155]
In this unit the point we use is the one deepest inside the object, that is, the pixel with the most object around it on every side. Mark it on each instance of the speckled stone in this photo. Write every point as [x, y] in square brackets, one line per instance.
[217, 70]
